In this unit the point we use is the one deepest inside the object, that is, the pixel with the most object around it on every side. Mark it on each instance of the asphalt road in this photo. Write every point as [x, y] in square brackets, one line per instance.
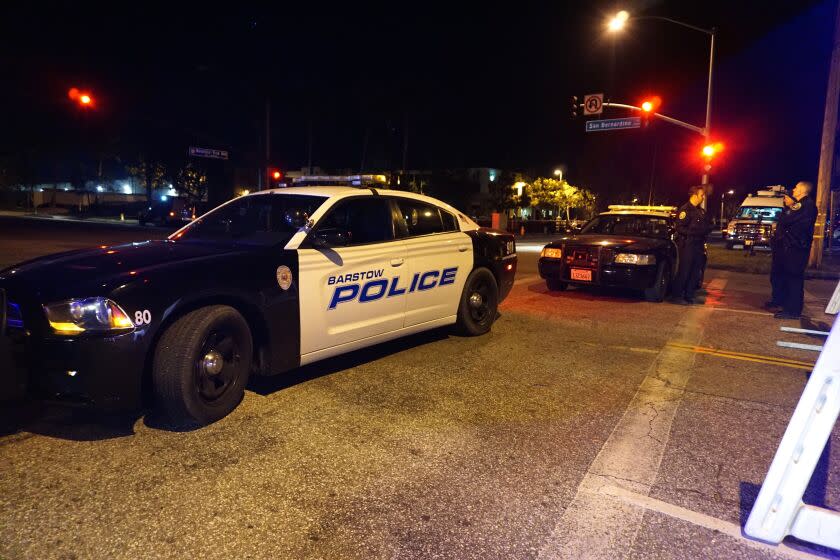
[586, 424]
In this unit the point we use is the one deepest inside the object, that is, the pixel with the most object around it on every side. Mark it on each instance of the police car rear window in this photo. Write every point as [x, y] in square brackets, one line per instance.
[423, 219]
[258, 220]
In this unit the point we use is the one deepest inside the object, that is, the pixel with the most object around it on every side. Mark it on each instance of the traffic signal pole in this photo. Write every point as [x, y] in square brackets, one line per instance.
[829, 133]
[707, 130]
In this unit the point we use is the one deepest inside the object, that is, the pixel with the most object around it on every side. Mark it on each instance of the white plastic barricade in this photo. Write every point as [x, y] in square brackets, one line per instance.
[779, 510]
[833, 306]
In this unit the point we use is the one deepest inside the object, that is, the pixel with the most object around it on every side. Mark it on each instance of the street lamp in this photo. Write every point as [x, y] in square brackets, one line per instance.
[558, 173]
[618, 22]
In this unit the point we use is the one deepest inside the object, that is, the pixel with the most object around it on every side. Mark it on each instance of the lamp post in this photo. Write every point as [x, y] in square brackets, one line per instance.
[730, 192]
[619, 21]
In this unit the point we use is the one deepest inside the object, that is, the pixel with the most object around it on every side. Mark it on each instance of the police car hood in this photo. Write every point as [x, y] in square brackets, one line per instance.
[97, 268]
[628, 242]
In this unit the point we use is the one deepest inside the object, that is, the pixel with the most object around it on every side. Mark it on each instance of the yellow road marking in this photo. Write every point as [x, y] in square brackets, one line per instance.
[743, 356]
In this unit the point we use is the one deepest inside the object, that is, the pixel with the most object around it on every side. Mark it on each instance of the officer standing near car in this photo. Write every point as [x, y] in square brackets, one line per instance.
[791, 247]
[692, 229]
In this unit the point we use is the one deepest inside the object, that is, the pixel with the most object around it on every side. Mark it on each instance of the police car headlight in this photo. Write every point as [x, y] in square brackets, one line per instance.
[635, 258]
[96, 314]
[551, 253]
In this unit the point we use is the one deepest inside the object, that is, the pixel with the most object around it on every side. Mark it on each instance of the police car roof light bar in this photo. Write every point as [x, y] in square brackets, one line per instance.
[637, 208]
[779, 511]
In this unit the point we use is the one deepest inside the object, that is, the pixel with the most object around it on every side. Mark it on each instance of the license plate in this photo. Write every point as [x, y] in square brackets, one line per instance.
[581, 274]
[748, 242]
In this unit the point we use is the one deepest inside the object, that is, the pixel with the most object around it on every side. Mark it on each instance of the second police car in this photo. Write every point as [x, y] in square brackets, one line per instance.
[627, 247]
[263, 284]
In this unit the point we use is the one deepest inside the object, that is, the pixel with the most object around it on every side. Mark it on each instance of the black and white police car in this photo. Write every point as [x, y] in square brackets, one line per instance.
[262, 284]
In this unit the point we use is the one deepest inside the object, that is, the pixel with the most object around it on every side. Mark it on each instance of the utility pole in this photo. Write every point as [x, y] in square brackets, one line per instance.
[309, 149]
[267, 169]
[829, 134]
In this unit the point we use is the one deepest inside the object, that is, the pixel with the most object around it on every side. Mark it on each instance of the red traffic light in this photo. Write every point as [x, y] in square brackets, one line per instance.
[276, 175]
[710, 150]
[651, 104]
[83, 98]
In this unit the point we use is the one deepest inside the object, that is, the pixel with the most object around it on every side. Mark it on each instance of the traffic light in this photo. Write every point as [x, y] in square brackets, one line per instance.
[574, 106]
[709, 151]
[648, 109]
[83, 98]
[275, 175]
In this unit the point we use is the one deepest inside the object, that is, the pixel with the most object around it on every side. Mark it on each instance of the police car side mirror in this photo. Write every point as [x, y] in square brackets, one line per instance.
[331, 237]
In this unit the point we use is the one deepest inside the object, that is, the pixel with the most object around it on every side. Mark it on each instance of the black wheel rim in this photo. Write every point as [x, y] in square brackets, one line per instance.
[218, 365]
[480, 301]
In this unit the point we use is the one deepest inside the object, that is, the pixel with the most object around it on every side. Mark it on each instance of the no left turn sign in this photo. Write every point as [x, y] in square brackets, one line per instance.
[593, 104]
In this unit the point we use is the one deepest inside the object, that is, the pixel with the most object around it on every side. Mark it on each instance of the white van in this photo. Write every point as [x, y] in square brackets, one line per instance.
[756, 219]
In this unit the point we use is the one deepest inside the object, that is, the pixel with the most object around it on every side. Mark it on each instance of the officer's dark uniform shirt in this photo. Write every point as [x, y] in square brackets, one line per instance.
[691, 224]
[795, 229]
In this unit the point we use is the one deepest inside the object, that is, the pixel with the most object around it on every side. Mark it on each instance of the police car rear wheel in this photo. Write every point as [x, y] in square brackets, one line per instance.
[479, 303]
[201, 365]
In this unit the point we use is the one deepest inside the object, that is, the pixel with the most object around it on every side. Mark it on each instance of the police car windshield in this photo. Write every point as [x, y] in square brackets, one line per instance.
[765, 213]
[629, 224]
[265, 219]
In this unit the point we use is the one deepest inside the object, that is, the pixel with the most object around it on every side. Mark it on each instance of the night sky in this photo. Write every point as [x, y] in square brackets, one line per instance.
[468, 85]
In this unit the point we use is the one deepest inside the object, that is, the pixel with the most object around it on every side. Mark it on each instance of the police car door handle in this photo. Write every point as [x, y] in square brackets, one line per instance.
[462, 248]
[397, 262]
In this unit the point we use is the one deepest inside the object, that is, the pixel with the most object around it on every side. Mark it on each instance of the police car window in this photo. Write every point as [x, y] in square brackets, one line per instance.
[255, 220]
[618, 224]
[421, 218]
[363, 220]
[450, 223]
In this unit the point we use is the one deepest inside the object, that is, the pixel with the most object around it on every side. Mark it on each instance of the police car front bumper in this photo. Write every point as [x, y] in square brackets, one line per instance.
[633, 277]
[102, 372]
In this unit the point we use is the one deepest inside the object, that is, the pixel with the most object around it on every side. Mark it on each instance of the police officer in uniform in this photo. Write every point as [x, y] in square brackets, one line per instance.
[791, 246]
[692, 229]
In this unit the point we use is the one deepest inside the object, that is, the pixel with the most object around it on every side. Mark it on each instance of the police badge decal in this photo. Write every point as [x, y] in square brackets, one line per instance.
[284, 277]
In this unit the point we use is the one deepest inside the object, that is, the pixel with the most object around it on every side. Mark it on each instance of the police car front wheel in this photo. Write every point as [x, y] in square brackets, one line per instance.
[201, 365]
[479, 303]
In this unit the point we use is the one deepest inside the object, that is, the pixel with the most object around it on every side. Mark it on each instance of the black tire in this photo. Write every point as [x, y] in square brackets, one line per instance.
[479, 303]
[555, 285]
[659, 290]
[187, 389]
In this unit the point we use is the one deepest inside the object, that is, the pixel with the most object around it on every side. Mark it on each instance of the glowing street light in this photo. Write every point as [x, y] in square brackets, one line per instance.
[558, 173]
[618, 21]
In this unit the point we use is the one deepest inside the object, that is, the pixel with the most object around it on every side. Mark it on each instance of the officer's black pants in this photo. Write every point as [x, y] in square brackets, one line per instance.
[787, 278]
[690, 268]
[777, 277]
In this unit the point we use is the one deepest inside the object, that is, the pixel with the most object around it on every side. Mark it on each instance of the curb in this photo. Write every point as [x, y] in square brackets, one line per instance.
[809, 274]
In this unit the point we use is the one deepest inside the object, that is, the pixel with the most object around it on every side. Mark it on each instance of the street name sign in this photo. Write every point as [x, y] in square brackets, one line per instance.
[208, 153]
[613, 124]
[593, 104]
